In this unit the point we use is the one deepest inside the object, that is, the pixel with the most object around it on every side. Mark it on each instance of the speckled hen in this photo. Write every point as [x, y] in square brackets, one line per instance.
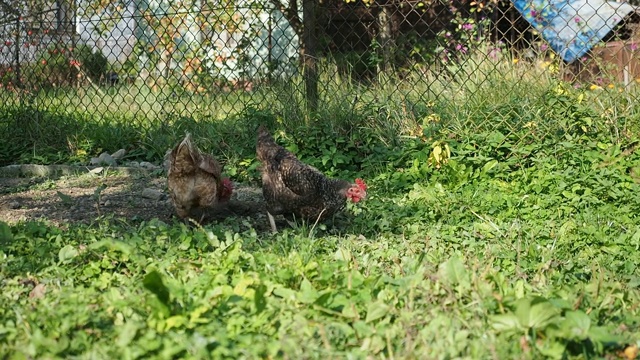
[291, 187]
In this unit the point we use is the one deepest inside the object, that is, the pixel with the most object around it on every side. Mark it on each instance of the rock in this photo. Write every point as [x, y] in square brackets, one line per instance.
[107, 203]
[152, 194]
[107, 159]
[97, 170]
[104, 158]
[133, 164]
[148, 165]
[119, 154]
[14, 205]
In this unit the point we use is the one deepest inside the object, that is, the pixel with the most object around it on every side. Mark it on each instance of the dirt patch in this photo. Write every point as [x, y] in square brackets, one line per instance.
[87, 197]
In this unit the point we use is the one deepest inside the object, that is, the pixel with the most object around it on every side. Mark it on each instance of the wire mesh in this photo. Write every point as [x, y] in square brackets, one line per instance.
[138, 59]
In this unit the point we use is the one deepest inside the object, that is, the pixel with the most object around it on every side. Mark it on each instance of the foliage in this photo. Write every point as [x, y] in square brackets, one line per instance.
[498, 227]
[59, 66]
[507, 250]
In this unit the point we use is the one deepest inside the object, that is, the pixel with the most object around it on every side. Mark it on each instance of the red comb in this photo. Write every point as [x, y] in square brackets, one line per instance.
[227, 183]
[361, 184]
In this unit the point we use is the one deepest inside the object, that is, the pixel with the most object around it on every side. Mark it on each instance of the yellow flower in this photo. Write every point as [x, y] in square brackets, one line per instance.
[515, 61]
[595, 87]
[610, 86]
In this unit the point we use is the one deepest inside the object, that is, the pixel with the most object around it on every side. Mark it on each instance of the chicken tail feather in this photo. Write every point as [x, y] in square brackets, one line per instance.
[184, 157]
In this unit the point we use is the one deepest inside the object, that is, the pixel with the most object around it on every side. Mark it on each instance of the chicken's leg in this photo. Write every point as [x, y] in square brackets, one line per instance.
[272, 221]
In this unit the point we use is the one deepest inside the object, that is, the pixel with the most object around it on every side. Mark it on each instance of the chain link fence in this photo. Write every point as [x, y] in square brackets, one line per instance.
[139, 59]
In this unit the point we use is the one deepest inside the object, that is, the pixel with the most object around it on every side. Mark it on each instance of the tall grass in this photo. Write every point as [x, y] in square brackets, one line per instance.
[475, 95]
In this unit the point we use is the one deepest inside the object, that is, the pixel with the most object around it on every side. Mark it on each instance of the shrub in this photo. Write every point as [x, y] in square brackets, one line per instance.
[59, 66]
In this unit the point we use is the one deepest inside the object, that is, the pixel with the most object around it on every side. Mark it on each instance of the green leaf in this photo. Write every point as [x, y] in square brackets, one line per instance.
[153, 282]
[186, 244]
[98, 191]
[576, 325]
[5, 232]
[242, 286]
[376, 310]
[552, 349]
[127, 334]
[284, 292]
[602, 335]
[453, 272]
[362, 328]
[489, 165]
[535, 313]
[176, 321]
[67, 253]
[505, 322]
[259, 299]
[307, 294]
[342, 254]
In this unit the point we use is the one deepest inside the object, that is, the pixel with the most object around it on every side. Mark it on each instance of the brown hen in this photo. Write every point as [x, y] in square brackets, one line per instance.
[291, 187]
[195, 179]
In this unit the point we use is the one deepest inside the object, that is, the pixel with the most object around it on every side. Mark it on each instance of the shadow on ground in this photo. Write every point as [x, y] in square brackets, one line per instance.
[85, 198]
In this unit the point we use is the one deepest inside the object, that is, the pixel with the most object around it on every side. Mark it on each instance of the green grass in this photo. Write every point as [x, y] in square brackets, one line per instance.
[523, 244]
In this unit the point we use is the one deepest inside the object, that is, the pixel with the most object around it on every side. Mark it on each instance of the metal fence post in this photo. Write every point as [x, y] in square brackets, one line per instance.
[17, 51]
[310, 70]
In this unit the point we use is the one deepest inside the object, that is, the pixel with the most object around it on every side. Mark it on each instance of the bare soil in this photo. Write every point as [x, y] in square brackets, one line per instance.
[72, 199]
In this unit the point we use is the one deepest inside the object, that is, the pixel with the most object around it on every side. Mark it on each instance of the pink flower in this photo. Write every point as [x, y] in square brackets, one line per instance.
[493, 54]
[633, 46]
[467, 26]
[577, 19]
[544, 47]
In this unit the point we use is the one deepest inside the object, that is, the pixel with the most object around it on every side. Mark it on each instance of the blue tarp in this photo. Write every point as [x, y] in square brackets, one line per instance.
[573, 27]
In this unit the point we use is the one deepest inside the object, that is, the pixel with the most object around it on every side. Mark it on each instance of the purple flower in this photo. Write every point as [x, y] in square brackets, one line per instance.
[534, 13]
[633, 46]
[467, 26]
[447, 34]
[544, 47]
[462, 49]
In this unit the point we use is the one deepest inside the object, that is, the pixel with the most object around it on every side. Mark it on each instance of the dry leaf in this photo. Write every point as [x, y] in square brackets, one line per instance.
[38, 291]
